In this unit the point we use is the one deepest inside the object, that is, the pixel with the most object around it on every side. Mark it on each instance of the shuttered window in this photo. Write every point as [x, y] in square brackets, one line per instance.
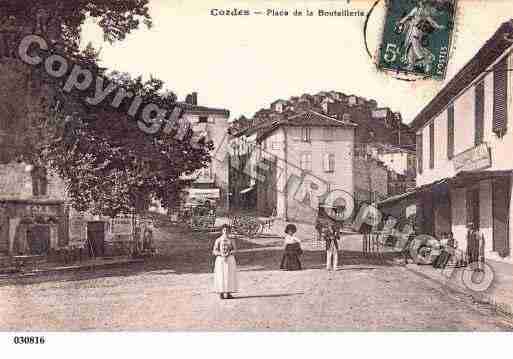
[432, 145]
[419, 153]
[305, 162]
[450, 132]
[500, 95]
[329, 162]
[479, 115]
[306, 134]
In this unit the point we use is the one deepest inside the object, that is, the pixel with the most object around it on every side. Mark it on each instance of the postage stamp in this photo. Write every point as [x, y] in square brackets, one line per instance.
[417, 37]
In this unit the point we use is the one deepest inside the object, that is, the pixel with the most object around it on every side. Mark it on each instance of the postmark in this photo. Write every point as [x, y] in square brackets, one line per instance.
[417, 37]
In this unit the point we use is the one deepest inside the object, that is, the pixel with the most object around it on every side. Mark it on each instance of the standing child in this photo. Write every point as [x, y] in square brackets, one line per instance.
[225, 270]
[292, 250]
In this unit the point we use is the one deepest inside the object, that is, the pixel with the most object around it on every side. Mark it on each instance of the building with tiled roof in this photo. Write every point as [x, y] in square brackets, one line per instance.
[332, 109]
[212, 123]
[464, 144]
[311, 146]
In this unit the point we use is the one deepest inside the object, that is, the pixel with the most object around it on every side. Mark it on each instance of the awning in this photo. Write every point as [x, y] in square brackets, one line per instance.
[397, 197]
[441, 186]
[246, 190]
[464, 178]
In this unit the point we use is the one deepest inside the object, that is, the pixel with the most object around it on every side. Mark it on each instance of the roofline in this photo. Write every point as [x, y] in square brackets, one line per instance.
[268, 131]
[281, 123]
[195, 109]
[339, 122]
[495, 47]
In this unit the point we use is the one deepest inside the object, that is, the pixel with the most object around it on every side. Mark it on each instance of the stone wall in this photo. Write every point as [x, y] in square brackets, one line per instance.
[372, 177]
[17, 215]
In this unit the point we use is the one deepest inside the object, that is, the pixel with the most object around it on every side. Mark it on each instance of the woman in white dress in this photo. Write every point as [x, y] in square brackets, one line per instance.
[225, 270]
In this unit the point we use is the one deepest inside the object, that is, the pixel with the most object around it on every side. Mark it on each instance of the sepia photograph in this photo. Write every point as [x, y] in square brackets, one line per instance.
[248, 166]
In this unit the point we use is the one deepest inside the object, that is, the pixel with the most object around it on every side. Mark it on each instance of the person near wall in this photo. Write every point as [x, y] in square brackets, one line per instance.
[446, 250]
[148, 239]
[292, 251]
[225, 268]
[475, 246]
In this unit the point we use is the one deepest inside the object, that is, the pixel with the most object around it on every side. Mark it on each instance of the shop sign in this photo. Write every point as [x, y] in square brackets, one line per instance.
[476, 158]
[77, 229]
[121, 226]
[204, 193]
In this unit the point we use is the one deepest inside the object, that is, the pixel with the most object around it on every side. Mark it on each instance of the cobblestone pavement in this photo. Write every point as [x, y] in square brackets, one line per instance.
[175, 293]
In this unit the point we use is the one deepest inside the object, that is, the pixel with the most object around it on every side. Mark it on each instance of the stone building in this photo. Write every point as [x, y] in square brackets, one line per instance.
[31, 200]
[298, 160]
[211, 182]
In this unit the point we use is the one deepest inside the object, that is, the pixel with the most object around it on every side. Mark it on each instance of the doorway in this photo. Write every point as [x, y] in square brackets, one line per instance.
[38, 239]
[473, 207]
[500, 205]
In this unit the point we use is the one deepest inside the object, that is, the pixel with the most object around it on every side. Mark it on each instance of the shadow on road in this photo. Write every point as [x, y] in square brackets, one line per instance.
[260, 254]
[267, 295]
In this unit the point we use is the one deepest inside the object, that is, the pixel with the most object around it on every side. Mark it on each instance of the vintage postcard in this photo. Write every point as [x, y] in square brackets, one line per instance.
[294, 166]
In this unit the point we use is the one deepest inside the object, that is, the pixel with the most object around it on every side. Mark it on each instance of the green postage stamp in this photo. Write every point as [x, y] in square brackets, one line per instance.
[417, 37]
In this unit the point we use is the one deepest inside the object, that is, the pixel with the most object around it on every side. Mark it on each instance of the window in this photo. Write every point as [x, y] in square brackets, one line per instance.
[306, 162]
[500, 95]
[275, 145]
[306, 134]
[419, 152]
[39, 181]
[329, 133]
[432, 145]
[450, 132]
[329, 162]
[203, 119]
[479, 115]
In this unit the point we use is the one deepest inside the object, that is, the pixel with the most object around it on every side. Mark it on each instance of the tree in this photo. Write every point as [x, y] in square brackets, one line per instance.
[65, 18]
[112, 167]
[24, 89]
[109, 165]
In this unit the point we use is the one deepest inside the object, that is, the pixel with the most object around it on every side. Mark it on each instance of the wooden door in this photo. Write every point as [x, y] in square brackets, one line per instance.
[473, 207]
[96, 237]
[38, 238]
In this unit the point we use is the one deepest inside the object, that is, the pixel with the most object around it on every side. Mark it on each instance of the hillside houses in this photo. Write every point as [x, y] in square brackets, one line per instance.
[376, 153]
[376, 124]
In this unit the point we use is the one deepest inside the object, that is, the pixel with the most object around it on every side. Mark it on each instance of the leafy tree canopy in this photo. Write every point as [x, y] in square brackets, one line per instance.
[117, 18]
[112, 167]
[109, 165]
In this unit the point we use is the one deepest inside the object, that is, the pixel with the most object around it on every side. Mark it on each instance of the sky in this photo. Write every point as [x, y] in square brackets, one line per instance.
[243, 63]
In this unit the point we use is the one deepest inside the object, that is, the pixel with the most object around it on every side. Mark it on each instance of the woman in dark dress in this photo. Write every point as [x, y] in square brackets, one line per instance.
[292, 250]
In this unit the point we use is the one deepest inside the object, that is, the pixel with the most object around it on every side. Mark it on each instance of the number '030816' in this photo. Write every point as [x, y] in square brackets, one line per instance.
[29, 340]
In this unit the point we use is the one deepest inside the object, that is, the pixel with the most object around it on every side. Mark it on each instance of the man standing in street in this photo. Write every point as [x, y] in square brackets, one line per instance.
[329, 231]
